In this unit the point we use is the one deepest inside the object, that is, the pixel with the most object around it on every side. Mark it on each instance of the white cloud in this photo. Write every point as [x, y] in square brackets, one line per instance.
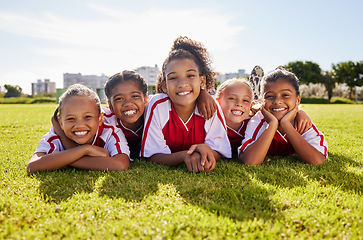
[122, 39]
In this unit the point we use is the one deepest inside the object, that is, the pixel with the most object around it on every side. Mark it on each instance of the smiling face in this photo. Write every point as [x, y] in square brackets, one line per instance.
[280, 97]
[235, 102]
[128, 103]
[183, 82]
[80, 119]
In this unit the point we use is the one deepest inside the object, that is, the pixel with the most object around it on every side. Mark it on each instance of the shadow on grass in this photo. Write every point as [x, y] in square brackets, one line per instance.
[60, 185]
[291, 172]
[227, 191]
[232, 190]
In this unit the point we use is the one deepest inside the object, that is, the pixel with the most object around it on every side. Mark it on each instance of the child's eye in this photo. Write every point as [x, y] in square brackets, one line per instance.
[268, 97]
[119, 99]
[70, 119]
[246, 101]
[191, 75]
[171, 78]
[135, 96]
[285, 95]
[232, 98]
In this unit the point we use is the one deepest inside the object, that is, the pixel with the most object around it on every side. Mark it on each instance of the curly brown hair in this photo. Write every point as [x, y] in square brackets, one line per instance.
[182, 48]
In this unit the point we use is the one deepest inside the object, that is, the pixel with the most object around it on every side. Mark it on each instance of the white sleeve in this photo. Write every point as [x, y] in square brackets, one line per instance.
[50, 143]
[216, 134]
[156, 116]
[116, 142]
[255, 127]
[109, 117]
[316, 139]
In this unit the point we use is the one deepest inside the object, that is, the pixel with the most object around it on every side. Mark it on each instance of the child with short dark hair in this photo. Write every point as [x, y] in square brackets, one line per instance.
[271, 130]
[127, 98]
[99, 146]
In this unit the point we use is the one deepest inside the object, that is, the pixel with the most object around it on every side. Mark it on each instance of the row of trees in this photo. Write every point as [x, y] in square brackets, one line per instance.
[350, 73]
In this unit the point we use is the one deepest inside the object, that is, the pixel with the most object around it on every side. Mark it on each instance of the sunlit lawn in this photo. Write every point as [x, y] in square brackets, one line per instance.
[283, 198]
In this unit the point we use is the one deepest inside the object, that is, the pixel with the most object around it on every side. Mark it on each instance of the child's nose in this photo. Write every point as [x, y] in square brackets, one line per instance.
[278, 100]
[239, 102]
[182, 81]
[79, 123]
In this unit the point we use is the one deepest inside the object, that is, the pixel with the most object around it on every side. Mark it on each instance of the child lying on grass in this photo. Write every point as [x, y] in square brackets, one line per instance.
[99, 146]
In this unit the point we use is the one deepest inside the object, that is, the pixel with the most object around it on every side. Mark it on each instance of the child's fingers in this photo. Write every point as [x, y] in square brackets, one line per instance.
[204, 158]
[194, 165]
[200, 166]
[192, 149]
[212, 165]
[300, 127]
[189, 166]
[208, 112]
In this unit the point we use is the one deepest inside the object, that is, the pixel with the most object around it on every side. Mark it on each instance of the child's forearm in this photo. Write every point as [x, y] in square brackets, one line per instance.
[42, 161]
[172, 159]
[304, 150]
[255, 154]
[118, 162]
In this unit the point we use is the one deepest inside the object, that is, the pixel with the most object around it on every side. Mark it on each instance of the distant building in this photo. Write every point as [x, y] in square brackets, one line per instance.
[224, 77]
[43, 87]
[150, 75]
[96, 83]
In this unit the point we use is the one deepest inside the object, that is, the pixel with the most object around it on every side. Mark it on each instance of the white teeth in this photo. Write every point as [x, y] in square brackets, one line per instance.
[130, 112]
[236, 112]
[80, 133]
[183, 93]
[278, 109]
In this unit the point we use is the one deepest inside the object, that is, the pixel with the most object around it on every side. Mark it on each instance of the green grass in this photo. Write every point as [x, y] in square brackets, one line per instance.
[281, 199]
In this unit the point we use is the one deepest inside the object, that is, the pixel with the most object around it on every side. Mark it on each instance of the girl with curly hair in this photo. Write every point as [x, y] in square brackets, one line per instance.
[175, 131]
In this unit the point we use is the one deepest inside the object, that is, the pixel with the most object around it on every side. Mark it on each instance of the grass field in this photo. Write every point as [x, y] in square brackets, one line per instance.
[281, 199]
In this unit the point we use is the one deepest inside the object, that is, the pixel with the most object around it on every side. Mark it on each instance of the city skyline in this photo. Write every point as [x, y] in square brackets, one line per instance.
[43, 40]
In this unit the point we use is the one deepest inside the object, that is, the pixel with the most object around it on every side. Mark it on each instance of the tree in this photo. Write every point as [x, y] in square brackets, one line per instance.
[329, 82]
[349, 73]
[307, 72]
[12, 91]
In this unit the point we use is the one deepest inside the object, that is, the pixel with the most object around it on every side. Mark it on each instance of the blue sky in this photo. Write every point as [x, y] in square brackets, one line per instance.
[44, 39]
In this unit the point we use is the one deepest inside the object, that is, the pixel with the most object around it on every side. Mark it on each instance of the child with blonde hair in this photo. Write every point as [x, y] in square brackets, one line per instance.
[235, 97]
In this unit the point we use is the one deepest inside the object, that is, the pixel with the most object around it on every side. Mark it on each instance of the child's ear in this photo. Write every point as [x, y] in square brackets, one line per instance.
[110, 106]
[146, 99]
[203, 82]
[299, 98]
[163, 87]
[60, 123]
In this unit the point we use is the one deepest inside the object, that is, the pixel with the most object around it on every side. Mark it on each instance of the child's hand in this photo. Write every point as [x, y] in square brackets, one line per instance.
[193, 162]
[290, 116]
[94, 151]
[206, 104]
[302, 122]
[269, 117]
[207, 159]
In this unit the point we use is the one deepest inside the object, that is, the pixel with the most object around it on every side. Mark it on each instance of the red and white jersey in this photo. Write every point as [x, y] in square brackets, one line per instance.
[280, 145]
[133, 137]
[236, 137]
[107, 136]
[165, 132]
